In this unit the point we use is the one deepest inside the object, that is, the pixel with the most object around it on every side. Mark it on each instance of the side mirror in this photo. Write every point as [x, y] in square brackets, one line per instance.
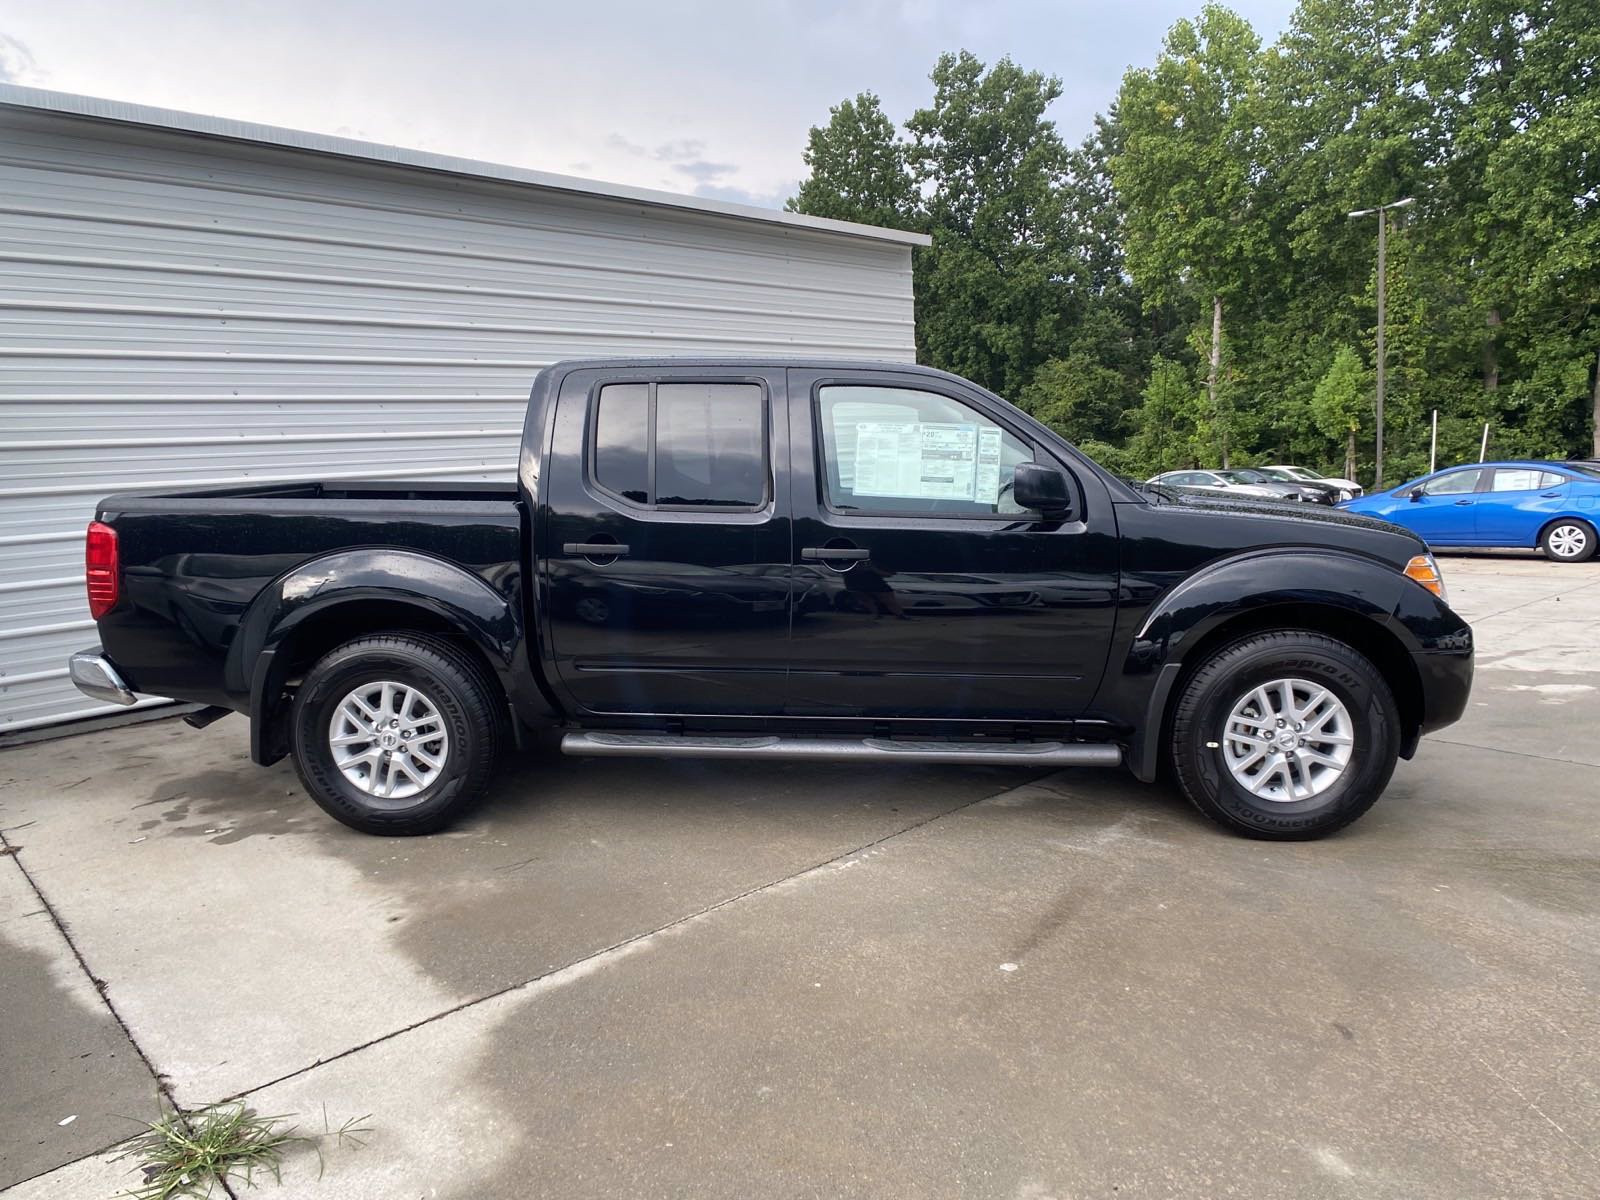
[1043, 489]
[1417, 494]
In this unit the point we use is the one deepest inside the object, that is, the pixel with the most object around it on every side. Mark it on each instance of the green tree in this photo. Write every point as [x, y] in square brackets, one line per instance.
[999, 289]
[1341, 403]
[1344, 130]
[1540, 232]
[1190, 176]
[858, 169]
[1094, 213]
[1078, 397]
[1186, 285]
[1515, 205]
[1170, 429]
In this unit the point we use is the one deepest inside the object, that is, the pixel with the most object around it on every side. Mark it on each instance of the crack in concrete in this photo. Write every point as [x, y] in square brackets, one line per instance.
[1520, 1095]
[584, 964]
[163, 1085]
[1571, 762]
[1556, 595]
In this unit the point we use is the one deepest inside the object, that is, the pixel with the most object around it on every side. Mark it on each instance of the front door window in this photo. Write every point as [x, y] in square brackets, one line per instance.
[1456, 483]
[915, 453]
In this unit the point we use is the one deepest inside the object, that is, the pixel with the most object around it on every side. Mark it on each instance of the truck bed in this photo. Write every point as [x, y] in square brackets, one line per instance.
[202, 568]
[335, 490]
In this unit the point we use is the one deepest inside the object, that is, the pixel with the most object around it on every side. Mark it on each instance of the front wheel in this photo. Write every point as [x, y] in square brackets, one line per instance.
[396, 733]
[1570, 540]
[1285, 735]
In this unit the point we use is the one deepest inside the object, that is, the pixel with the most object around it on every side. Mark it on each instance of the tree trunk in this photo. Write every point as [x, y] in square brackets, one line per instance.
[1597, 405]
[1491, 352]
[1350, 454]
[1211, 378]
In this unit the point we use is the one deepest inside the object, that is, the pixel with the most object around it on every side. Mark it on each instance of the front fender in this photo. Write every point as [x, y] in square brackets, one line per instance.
[1259, 579]
[1223, 591]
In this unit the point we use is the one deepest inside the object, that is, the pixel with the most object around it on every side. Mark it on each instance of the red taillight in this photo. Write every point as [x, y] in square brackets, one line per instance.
[101, 568]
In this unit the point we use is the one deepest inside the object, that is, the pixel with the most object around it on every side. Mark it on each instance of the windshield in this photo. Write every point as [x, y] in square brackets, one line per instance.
[1593, 472]
[1303, 473]
[1243, 476]
[1277, 473]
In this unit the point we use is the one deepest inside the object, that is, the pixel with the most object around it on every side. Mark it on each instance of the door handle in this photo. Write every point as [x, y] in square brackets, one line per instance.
[595, 549]
[834, 554]
[1549, 495]
[1459, 503]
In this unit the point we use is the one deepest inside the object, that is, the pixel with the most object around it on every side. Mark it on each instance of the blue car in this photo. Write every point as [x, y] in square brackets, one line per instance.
[1555, 506]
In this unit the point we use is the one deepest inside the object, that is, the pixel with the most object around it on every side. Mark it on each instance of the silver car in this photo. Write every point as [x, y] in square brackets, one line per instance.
[1349, 488]
[1231, 482]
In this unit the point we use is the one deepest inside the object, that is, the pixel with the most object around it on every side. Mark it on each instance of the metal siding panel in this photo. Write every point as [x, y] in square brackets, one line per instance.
[181, 312]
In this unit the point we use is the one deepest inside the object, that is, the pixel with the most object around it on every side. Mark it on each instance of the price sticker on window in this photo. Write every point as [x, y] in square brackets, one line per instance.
[920, 460]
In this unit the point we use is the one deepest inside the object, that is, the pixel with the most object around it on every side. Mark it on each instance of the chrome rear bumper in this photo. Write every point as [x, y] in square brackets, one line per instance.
[93, 675]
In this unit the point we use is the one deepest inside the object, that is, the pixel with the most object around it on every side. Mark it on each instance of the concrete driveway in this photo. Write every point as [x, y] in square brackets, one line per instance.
[712, 980]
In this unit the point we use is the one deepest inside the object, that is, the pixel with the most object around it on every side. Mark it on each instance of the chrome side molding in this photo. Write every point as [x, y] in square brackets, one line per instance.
[841, 749]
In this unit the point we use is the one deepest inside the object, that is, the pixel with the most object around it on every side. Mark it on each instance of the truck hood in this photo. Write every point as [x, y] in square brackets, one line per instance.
[1280, 522]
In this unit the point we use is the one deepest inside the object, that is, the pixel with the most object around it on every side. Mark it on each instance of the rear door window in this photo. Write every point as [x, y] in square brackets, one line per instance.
[622, 441]
[1520, 479]
[681, 445]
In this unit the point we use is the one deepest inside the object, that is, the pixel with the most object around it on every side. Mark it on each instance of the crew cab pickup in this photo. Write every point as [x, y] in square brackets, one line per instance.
[766, 559]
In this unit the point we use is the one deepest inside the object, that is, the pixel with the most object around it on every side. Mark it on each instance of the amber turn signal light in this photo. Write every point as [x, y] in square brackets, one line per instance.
[1425, 571]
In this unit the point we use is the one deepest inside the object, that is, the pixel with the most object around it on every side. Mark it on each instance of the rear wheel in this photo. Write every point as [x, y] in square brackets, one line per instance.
[1569, 540]
[396, 733]
[1285, 735]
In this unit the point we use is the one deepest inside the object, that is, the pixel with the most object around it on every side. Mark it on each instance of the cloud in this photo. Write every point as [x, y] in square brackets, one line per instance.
[686, 156]
[16, 62]
[617, 142]
[704, 172]
[682, 149]
[738, 195]
[668, 152]
[632, 89]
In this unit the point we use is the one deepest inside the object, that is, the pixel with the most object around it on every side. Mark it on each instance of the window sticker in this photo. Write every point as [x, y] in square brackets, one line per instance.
[987, 484]
[847, 417]
[919, 460]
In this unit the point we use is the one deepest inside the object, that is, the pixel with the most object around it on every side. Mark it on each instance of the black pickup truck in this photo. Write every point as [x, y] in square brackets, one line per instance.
[758, 559]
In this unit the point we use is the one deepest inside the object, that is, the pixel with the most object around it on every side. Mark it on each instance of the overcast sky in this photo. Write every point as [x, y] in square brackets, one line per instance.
[713, 96]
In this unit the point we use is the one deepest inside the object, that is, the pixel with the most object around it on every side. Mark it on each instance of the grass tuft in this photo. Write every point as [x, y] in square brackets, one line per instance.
[190, 1154]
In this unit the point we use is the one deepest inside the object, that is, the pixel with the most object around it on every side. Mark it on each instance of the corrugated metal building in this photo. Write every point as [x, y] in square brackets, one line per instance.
[189, 302]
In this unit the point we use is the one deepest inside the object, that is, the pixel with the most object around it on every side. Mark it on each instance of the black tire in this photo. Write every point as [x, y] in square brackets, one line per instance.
[1574, 530]
[457, 686]
[1207, 700]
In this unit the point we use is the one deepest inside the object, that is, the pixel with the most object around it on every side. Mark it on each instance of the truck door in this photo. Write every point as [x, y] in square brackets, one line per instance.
[665, 584]
[921, 588]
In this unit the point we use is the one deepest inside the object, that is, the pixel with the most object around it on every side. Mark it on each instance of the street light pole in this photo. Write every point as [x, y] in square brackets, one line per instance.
[1383, 361]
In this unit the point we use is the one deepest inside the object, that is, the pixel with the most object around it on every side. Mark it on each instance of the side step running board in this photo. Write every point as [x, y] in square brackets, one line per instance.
[841, 749]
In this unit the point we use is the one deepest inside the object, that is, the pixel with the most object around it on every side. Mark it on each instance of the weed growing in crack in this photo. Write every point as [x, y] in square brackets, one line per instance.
[189, 1154]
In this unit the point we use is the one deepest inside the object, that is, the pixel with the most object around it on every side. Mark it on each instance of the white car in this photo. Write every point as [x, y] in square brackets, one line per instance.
[1216, 481]
[1306, 473]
